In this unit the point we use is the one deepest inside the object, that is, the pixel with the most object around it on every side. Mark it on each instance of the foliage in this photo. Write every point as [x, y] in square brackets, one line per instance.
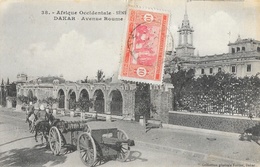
[142, 100]
[180, 80]
[72, 104]
[84, 104]
[12, 90]
[100, 76]
[220, 93]
[25, 100]
[50, 101]
[61, 101]
[85, 80]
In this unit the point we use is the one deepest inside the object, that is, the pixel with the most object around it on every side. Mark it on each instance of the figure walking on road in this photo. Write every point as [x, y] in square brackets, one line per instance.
[30, 111]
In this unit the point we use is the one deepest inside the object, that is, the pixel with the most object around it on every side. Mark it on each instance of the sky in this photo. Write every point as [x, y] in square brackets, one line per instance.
[35, 43]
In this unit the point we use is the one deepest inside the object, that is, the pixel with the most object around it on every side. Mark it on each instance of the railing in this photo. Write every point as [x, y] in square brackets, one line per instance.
[216, 103]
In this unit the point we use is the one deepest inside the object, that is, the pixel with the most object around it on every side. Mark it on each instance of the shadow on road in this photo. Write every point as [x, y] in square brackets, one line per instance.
[134, 155]
[16, 140]
[25, 157]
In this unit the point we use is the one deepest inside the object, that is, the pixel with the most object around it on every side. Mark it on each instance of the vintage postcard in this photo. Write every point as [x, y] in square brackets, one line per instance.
[122, 83]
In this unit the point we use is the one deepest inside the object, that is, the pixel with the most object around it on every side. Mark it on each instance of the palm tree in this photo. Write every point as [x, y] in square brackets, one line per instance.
[100, 76]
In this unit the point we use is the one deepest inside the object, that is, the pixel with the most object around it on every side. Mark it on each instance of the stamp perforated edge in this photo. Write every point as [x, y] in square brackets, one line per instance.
[124, 40]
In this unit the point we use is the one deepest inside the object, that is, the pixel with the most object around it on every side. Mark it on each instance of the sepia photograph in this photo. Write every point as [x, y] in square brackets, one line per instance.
[123, 83]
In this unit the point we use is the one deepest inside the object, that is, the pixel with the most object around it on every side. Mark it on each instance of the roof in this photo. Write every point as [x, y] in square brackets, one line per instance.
[248, 40]
[48, 79]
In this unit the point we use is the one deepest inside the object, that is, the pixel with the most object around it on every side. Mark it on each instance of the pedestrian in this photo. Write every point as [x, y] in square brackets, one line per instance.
[30, 111]
[250, 116]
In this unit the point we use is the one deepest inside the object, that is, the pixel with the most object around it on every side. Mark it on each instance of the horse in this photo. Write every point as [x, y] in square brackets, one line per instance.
[31, 120]
[43, 128]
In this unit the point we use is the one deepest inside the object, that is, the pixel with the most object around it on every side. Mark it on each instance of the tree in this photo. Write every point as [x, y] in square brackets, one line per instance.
[84, 104]
[180, 80]
[61, 101]
[12, 90]
[222, 93]
[72, 104]
[85, 80]
[25, 100]
[100, 76]
[142, 100]
[50, 101]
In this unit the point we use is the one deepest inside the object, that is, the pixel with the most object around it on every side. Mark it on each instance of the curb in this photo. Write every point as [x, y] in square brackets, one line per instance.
[177, 127]
[191, 154]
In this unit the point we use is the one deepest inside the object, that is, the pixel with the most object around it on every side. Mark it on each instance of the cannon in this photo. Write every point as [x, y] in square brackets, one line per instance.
[95, 146]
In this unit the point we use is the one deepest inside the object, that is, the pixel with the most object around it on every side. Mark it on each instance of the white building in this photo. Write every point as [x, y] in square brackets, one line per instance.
[243, 58]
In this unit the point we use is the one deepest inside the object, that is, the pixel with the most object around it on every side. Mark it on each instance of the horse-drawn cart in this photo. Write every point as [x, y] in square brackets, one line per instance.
[95, 146]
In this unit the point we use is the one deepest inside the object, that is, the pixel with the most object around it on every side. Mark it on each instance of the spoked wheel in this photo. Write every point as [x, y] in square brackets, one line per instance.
[87, 129]
[55, 140]
[124, 151]
[87, 149]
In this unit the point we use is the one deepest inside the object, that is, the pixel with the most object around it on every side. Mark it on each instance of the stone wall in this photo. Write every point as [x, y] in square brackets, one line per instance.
[225, 123]
[162, 99]
[128, 103]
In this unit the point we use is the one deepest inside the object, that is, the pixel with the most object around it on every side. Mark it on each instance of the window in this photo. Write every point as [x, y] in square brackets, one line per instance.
[202, 71]
[243, 49]
[238, 49]
[211, 70]
[233, 69]
[258, 49]
[219, 69]
[233, 50]
[179, 68]
[248, 68]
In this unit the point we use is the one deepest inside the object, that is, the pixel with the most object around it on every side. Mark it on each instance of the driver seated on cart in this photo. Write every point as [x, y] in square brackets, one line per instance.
[42, 115]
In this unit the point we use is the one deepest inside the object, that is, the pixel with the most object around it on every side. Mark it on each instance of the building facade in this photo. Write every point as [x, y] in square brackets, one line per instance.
[116, 98]
[243, 58]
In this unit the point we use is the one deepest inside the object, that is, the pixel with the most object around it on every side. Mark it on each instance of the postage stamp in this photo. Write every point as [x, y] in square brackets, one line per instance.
[144, 46]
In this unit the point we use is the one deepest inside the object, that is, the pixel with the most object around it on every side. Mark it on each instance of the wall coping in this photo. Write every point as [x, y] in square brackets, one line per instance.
[213, 115]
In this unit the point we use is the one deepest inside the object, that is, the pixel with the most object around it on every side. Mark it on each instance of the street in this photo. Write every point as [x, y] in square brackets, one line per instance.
[18, 148]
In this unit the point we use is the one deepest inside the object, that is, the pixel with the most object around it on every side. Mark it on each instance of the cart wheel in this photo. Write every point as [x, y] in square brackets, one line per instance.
[87, 129]
[124, 150]
[55, 140]
[87, 149]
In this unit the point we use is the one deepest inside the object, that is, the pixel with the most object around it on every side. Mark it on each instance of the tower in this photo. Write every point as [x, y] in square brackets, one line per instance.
[2, 100]
[185, 47]
[22, 78]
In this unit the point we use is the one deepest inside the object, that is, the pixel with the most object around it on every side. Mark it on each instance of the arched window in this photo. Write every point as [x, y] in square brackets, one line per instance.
[202, 71]
[211, 70]
[233, 69]
[233, 50]
[238, 49]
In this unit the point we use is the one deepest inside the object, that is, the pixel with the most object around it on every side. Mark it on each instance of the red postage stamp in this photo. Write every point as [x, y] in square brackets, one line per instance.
[144, 46]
